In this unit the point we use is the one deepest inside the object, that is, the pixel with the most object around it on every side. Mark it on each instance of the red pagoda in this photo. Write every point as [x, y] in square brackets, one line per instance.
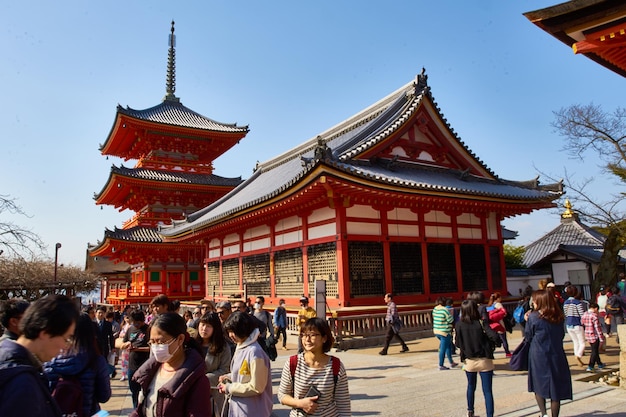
[174, 148]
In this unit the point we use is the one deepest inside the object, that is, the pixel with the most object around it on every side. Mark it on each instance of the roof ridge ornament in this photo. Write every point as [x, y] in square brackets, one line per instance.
[170, 79]
[421, 81]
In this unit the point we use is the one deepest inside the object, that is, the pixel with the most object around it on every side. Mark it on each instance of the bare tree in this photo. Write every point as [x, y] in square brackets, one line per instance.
[16, 240]
[588, 128]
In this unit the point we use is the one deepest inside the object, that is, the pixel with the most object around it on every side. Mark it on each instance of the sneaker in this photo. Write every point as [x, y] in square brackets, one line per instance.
[382, 352]
[601, 366]
[589, 369]
[285, 348]
[404, 349]
[122, 378]
[508, 355]
[454, 365]
[443, 368]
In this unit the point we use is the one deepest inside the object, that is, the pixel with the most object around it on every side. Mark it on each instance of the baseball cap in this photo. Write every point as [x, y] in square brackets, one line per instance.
[550, 285]
[304, 299]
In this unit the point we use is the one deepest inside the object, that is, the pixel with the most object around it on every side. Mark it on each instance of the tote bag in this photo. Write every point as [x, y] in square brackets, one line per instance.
[519, 358]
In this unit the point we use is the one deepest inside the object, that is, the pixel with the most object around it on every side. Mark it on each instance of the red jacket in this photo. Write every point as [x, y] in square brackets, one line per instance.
[495, 317]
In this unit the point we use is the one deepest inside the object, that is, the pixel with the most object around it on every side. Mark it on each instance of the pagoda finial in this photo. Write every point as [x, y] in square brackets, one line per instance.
[170, 79]
[568, 213]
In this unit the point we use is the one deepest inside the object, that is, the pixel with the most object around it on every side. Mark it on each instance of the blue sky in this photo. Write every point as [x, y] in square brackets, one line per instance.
[289, 70]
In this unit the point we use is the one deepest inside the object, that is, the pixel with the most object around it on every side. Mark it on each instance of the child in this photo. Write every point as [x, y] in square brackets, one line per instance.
[593, 335]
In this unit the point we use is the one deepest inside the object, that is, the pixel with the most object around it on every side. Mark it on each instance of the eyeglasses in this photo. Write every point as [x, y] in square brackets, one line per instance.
[220, 312]
[69, 340]
[310, 335]
[196, 313]
[158, 343]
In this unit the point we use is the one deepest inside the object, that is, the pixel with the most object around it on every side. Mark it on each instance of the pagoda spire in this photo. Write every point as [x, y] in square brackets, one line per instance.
[170, 79]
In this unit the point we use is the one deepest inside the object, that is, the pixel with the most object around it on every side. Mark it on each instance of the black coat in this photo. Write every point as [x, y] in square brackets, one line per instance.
[23, 388]
[106, 342]
[475, 340]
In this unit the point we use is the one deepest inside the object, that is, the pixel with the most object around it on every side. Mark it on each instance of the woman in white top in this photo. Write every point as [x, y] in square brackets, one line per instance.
[315, 383]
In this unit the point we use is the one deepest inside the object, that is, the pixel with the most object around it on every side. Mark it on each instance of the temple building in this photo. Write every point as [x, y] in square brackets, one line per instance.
[390, 200]
[593, 28]
[173, 177]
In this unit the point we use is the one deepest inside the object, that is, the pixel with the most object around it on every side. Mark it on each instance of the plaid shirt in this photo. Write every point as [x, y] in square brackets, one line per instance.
[593, 331]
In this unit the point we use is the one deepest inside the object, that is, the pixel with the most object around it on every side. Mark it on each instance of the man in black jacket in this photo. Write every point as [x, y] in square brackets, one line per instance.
[106, 341]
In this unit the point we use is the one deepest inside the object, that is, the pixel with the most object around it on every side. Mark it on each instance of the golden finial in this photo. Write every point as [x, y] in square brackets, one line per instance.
[568, 213]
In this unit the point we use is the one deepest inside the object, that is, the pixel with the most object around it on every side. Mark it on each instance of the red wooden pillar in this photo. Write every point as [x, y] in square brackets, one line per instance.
[305, 253]
[343, 263]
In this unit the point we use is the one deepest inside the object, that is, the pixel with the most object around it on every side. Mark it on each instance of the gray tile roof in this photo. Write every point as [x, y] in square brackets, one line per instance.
[591, 254]
[134, 234]
[176, 176]
[337, 149]
[570, 232]
[174, 113]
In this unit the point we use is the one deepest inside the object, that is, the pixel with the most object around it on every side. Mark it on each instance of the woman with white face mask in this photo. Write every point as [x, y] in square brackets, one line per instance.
[173, 381]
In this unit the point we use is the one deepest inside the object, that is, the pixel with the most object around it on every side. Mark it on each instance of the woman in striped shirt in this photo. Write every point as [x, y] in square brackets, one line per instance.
[309, 383]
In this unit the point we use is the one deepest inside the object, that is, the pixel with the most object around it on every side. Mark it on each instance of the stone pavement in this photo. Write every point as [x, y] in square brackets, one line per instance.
[410, 384]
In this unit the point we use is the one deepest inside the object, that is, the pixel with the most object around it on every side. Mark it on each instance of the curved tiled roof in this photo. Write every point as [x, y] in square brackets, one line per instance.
[174, 113]
[176, 176]
[337, 148]
[140, 234]
[570, 232]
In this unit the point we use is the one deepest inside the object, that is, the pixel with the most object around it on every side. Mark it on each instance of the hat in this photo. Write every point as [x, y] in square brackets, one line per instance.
[550, 285]
[602, 288]
[304, 300]
[224, 304]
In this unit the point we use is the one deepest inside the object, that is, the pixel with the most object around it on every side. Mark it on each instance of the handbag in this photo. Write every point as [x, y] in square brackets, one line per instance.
[519, 357]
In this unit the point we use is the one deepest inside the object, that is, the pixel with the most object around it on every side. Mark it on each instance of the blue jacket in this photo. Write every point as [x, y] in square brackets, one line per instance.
[93, 376]
[23, 388]
[280, 317]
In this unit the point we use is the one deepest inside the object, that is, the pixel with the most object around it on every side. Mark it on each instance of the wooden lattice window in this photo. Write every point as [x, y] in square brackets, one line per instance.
[473, 267]
[256, 274]
[407, 276]
[496, 272]
[322, 265]
[230, 276]
[288, 272]
[441, 268]
[367, 269]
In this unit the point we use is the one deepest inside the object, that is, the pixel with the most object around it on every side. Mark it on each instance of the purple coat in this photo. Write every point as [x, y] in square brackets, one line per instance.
[187, 394]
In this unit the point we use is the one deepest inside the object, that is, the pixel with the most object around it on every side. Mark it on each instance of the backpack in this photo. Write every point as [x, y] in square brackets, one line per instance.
[518, 313]
[68, 394]
[335, 363]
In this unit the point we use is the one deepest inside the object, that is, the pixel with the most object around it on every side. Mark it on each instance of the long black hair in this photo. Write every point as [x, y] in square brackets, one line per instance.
[217, 342]
[85, 337]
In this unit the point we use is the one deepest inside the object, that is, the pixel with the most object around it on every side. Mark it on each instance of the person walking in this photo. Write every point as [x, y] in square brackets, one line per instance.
[280, 322]
[172, 380]
[315, 372]
[304, 314]
[548, 371]
[593, 335]
[615, 308]
[11, 312]
[136, 342]
[47, 328]
[476, 341]
[106, 341]
[497, 316]
[124, 353]
[390, 319]
[443, 325]
[573, 310]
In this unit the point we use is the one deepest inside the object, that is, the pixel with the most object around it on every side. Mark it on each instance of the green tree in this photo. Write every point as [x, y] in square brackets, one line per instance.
[589, 129]
[513, 256]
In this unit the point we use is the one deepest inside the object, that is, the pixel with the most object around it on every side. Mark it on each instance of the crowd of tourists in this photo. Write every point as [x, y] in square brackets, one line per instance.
[214, 360]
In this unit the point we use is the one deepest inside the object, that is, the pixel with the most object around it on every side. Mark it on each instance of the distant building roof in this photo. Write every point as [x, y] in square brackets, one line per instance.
[570, 235]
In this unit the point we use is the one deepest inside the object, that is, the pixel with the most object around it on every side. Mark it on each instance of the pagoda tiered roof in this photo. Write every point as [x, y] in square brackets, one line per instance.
[400, 149]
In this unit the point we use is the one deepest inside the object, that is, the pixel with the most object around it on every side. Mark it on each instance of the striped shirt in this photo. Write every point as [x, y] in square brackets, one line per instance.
[323, 380]
[443, 322]
[573, 310]
[593, 331]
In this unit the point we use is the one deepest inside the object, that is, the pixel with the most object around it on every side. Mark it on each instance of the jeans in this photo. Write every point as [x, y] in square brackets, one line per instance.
[283, 331]
[134, 387]
[445, 348]
[486, 379]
